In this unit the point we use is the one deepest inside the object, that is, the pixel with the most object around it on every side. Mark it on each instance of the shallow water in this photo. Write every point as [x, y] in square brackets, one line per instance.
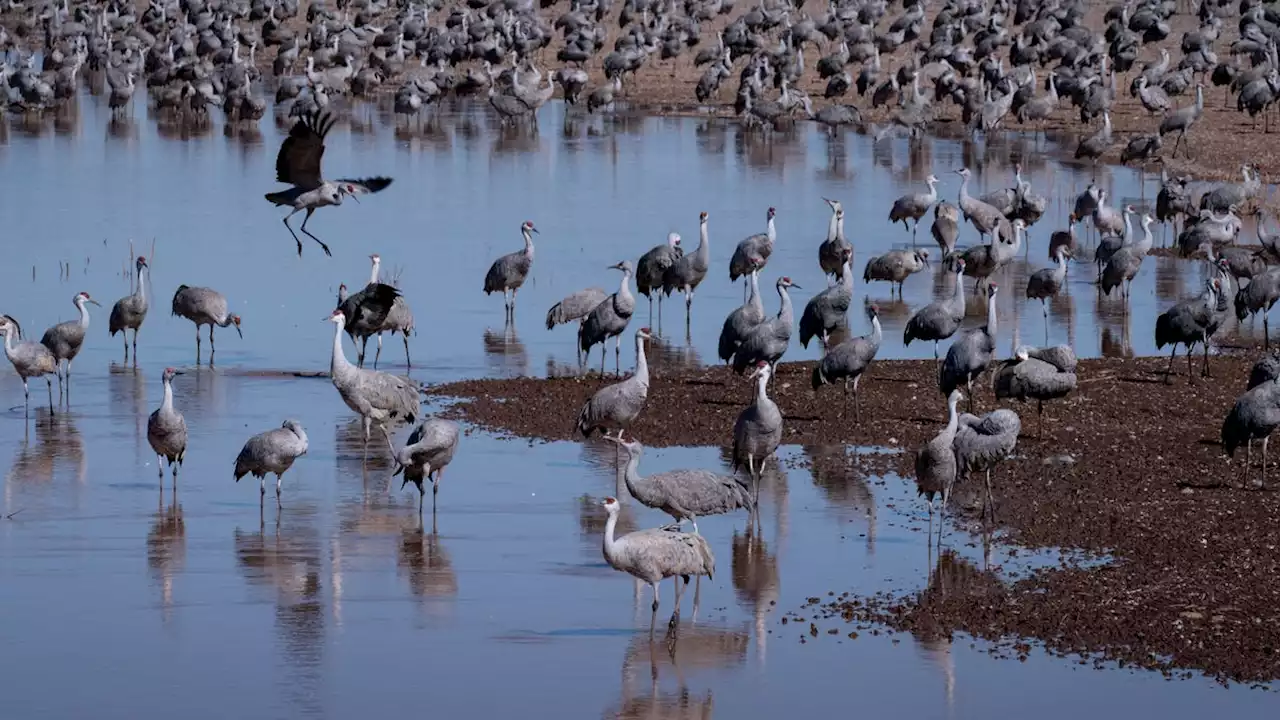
[123, 601]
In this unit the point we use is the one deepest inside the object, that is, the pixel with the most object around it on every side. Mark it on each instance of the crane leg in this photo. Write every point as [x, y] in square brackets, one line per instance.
[1266, 333]
[313, 237]
[617, 355]
[1248, 463]
[1206, 372]
[291, 232]
[1168, 374]
[991, 501]
[1263, 486]
[49, 384]
[378, 352]
[212, 349]
[688, 308]
[407, 362]
[364, 348]
[1191, 373]
[857, 404]
[160, 466]
[197, 344]
[278, 479]
[125, 338]
[368, 424]
[604, 353]
[262, 487]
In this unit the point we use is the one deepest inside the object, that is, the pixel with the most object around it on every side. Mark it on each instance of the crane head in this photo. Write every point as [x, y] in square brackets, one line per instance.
[375, 258]
[140, 263]
[170, 372]
[337, 317]
[702, 216]
[84, 297]
[645, 333]
[762, 370]
[235, 320]
[991, 290]
[772, 212]
[633, 447]
[673, 239]
[611, 505]
[528, 227]
[873, 311]
[931, 179]
[959, 266]
[963, 172]
[785, 281]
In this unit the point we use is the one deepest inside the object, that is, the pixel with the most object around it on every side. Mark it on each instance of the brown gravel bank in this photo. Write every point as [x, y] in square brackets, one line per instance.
[1128, 465]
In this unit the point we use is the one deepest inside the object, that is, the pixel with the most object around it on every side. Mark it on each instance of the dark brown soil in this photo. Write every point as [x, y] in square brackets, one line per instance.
[1128, 465]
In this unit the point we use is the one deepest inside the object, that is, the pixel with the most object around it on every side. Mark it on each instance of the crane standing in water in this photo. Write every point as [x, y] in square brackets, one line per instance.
[203, 306]
[65, 339]
[167, 431]
[30, 359]
[129, 311]
[271, 452]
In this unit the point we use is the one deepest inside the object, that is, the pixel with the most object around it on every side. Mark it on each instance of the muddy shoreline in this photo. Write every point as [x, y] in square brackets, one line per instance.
[1128, 466]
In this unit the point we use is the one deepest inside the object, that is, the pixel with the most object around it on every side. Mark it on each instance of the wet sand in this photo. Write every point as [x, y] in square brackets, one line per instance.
[1128, 466]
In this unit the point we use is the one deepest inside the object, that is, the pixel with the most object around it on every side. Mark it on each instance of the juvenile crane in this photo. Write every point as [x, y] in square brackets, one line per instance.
[167, 431]
[509, 272]
[655, 555]
[29, 359]
[65, 339]
[684, 494]
[298, 164]
[651, 269]
[848, 360]
[129, 311]
[914, 206]
[373, 395]
[940, 319]
[687, 272]
[758, 431]
[425, 455]
[203, 306]
[971, 353]
[1037, 374]
[619, 404]
[753, 252]
[273, 451]
[609, 319]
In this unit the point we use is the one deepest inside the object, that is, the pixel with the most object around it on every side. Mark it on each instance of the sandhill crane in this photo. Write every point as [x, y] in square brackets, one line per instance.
[1046, 282]
[758, 430]
[940, 319]
[167, 431]
[29, 359]
[1266, 369]
[129, 311]
[1116, 238]
[1254, 416]
[609, 319]
[425, 454]
[367, 313]
[272, 451]
[740, 322]
[373, 395]
[1039, 374]
[684, 494]
[399, 319]
[984, 218]
[895, 266]
[1259, 296]
[619, 404]
[753, 252]
[832, 251]
[687, 272]
[827, 310]
[946, 226]
[1187, 323]
[848, 360]
[936, 461]
[298, 164]
[1096, 145]
[575, 306]
[914, 206]
[769, 340]
[203, 306]
[1122, 267]
[982, 442]
[652, 267]
[1183, 119]
[654, 555]
[1064, 239]
[65, 339]
[971, 353]
[509, 272]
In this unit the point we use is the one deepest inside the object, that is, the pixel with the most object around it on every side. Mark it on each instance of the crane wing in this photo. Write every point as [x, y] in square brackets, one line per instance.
[299, 160]
[363, 186]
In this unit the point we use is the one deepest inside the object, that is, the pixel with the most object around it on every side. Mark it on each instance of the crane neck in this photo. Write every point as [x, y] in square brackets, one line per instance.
[959, 292]
[84, 312]
[373, 275]
[770, 231]
[832, 227]
[754, 298]
[704, 249]
[876, 333]
[953, 417]
[631, 475]
[8, 340]
[964, 188]
[339, 359]
[528, 243]
[143, 276]
[610, 544]
[840, 227]
[785, 313]
[1147, 241]
[762, 393]
[991, 314]
[642, 362]
[166, 404]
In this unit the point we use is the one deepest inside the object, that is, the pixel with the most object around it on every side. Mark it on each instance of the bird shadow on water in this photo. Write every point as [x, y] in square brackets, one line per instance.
[167, 550]
[504, 352]
[56, 443]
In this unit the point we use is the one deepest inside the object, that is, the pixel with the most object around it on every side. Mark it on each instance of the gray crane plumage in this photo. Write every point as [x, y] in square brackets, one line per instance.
[619, 404]
[936, 461]
[375, 396]
[65, 339]
[848, 360]
[652, 268]
[575, 306]
[29, 359]
[754, 251]
[1259, 296]
[768, 341]
[1265, 370]
[425, 455]
[203, 306]
[609, 319]
[739, 324]
[940, 319]
[833, 250]
[367, 312]
[1187, 323]
[130, 311]
[1123, 265]
[982, 442]
[758, 430]
[273, 451]
[656, 554]
[1046, 282]
[167, 431]
[1183, 119]
[399, 318]
[828, 310]
[1254, 416]
[509, 272]
[971, 353]
[984, 218]
[895, 266]
[684, 494]
[914, 206]
[687, 272]
[946, 226]
[1037, 374]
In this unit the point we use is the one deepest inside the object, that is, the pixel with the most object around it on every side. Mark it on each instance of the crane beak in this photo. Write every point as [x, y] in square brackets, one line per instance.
[798, 287]
[95, 302]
